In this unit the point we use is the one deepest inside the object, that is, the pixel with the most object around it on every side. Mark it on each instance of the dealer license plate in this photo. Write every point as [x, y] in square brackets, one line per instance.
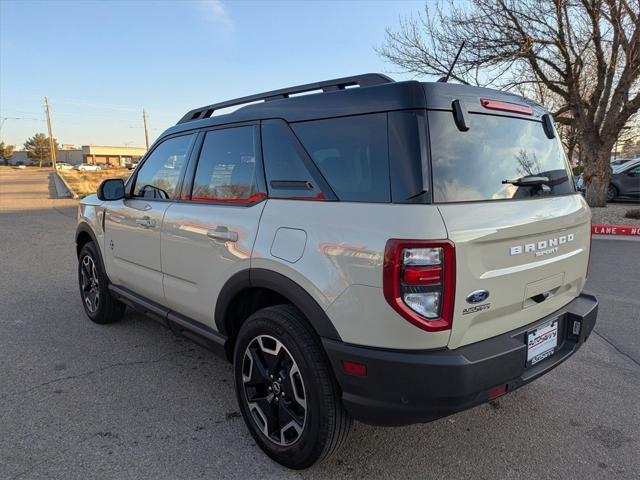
[542, 342]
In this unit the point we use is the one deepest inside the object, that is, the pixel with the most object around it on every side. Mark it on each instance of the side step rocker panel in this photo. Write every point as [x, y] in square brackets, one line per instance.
[187, 327]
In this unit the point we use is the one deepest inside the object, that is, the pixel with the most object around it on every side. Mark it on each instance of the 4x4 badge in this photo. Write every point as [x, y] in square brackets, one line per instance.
[478, 296]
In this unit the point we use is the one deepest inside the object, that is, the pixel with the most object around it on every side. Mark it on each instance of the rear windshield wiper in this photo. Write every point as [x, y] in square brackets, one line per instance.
[528, 181]
[531, 181]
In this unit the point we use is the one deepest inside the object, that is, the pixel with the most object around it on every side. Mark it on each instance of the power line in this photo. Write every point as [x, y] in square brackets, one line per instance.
[91, 105]
[4, 119]
[75, 114]
[95, 104]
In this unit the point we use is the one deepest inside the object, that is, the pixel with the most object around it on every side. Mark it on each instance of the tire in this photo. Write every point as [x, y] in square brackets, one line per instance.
[98, 303]
[297, 418]
[612, 193]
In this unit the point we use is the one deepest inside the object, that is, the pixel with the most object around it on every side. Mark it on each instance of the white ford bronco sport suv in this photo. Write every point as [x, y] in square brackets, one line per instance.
[390, 252]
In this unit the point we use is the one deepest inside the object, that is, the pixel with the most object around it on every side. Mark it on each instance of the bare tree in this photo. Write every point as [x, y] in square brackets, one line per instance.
[567, 130]
[585, 52]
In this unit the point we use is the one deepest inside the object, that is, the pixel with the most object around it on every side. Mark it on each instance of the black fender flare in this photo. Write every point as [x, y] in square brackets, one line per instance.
[84, 227]
[260, 277]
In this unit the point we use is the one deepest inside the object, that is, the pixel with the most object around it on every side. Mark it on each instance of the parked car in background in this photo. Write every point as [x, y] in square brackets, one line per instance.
[64, 166]
[21, 164]
[625, 181]
[87, 167]
[132, 165]
[617, 163]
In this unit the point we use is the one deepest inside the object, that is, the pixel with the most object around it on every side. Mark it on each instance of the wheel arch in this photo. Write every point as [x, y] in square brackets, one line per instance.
[84, 235]
[252, 289]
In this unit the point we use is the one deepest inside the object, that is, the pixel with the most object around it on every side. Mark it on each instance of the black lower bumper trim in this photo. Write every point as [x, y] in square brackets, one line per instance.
[405, 387]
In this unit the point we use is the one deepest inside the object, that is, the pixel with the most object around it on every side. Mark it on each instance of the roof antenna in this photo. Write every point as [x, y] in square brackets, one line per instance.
[453, 64]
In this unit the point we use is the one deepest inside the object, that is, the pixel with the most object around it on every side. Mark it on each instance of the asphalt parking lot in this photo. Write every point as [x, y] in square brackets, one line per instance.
[133, 401]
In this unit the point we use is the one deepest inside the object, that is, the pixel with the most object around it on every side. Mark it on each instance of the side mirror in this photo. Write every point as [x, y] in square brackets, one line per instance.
[111, 189]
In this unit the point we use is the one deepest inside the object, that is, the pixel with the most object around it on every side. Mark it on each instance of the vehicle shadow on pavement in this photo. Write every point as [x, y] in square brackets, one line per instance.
[552, 417]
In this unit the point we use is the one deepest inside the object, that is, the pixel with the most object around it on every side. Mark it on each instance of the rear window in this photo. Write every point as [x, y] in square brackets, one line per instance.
[226, 169]
[471, 165]
[352, 155]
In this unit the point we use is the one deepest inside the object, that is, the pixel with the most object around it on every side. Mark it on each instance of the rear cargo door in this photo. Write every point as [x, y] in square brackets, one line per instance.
[521, 250]
[530, 257]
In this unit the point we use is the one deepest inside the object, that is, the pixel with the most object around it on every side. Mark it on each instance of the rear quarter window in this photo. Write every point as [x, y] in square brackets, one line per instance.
[351, 153]
[284, 163]
[471, 165]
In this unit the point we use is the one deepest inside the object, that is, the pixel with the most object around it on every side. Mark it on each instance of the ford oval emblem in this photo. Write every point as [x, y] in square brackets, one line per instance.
[477, 296]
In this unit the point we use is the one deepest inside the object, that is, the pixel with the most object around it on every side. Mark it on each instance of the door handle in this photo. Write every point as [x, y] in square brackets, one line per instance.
[223, 234]
[146, 222]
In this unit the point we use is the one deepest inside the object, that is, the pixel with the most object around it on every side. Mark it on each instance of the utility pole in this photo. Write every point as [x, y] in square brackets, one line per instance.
[52, 143]
[146, 132]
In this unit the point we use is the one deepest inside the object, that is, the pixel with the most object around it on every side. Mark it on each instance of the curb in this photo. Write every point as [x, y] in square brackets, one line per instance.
[73, 194]
[628, 230]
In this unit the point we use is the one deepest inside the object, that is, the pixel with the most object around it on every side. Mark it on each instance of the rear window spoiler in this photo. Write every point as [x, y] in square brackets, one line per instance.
[461, 119]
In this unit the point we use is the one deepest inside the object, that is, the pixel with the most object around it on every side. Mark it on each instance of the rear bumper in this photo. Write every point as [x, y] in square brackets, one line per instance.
[404, 387]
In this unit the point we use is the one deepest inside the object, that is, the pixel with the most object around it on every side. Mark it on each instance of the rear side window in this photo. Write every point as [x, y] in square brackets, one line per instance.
[284, 164]
[226, 170]
[160, 174]
[352, 155]
[472, 165]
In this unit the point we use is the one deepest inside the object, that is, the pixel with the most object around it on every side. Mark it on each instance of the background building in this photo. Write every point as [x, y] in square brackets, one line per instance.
[95, 154]
[69, 155]
[116, 156]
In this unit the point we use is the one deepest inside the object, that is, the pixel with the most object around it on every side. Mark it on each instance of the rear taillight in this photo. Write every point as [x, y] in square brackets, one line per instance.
[419, 281]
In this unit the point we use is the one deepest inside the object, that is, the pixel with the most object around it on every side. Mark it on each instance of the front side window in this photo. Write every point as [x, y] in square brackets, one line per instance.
[159, 176]
[351, 153]
[477, 164]
[226, 169]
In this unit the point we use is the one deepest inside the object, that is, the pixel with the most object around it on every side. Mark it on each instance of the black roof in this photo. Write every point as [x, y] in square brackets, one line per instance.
[371, 93]
[365, 80]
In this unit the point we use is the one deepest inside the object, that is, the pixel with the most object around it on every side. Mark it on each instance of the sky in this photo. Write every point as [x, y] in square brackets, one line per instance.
[101, 62]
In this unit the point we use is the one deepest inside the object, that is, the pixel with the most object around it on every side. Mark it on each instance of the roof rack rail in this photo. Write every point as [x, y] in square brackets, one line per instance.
[365, 80]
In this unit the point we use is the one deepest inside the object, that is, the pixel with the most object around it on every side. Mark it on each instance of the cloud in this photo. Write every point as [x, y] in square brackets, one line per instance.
[216, 13]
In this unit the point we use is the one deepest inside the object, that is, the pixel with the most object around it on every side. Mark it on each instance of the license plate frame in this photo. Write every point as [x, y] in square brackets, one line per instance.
[542, 342]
